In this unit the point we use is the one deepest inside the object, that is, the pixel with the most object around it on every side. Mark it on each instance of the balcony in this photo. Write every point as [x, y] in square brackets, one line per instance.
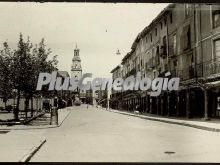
[212, 67]
[131, 72]
[153, 62]
[184, 74]
[172, 51]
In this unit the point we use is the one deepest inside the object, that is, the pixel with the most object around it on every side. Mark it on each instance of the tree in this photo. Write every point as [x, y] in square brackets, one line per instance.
[40, 63]
[27, 63]
[5, 73]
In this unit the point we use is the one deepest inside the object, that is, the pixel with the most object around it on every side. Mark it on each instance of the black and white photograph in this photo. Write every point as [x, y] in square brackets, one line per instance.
[109, 82]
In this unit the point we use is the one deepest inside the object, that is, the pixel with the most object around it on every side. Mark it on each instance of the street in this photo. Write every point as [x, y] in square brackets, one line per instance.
[95, 134]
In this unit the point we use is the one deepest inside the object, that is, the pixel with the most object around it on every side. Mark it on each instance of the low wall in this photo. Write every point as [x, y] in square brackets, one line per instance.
[37, 103]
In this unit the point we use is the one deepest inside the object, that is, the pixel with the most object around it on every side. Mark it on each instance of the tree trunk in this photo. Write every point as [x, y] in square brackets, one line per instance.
[32, 109]
[16, 110]
[5, 104]
[26, 107]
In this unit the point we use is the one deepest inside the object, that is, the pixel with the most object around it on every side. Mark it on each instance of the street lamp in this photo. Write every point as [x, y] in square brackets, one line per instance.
[118, 52]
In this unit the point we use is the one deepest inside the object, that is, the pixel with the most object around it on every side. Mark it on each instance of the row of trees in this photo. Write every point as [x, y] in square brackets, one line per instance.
[20, 68]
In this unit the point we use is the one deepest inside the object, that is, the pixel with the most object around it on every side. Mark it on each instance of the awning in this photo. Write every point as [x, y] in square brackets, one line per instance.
[214, 83]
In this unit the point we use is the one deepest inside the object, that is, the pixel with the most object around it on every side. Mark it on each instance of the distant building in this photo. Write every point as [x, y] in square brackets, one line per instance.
[76, 72]
[115, 98]
[76, 69]
[64, 96]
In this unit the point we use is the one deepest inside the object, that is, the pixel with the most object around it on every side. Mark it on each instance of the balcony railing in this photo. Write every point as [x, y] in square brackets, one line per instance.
[153, 62]
[132, 72]
[184, 74]
[212, 67]
[203, 69]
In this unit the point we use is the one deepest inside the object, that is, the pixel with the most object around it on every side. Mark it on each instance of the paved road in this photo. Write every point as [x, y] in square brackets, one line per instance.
[99, 135]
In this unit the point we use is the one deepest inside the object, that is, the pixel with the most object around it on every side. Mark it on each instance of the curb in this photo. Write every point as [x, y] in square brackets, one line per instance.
[63, 119]
[29, 155]
[38, 127]
[170, 122]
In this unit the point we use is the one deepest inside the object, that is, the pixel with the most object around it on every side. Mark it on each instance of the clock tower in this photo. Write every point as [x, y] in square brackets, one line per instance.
[76, 69]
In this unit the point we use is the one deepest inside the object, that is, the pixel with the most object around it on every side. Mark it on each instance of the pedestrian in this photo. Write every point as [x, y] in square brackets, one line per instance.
[87, 105]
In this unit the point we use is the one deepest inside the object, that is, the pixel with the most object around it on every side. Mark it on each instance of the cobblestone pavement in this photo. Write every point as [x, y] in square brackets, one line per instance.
[98, 135]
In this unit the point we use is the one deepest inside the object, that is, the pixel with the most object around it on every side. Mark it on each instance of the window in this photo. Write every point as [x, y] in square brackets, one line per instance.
[157, 56]
[171, 18]
[216, 16]
[146, 39]
[154, 74]
[174, 44]
[151, 39]
[156, 31]
[185, 38]
[175, 62]
[164, 46]
[164, 41]
[217, 49]
[186, 10]
[161, 25]
[165, 21]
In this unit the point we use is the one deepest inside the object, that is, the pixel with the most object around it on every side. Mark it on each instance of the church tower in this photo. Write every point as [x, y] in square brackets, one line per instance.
[76, 69]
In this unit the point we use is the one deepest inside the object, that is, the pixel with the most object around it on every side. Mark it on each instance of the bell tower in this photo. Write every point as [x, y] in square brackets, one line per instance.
[76, 69]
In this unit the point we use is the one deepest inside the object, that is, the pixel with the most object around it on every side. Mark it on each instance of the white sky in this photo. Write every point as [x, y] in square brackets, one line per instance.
[65, 24]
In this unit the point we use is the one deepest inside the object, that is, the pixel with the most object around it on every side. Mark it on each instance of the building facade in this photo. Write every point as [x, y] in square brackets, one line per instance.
[184, 39]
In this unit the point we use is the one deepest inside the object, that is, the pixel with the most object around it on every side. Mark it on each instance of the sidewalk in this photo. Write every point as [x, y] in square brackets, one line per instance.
[62, 115]
[18, 146]
[212, 125]
[23, 141]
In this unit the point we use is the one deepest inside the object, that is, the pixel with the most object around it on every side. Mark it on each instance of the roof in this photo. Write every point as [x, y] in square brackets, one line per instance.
[148, 28]
[127, 56]
[63, 73]
[117, 67]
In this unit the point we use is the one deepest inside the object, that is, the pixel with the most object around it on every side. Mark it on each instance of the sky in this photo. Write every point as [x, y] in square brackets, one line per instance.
[98, 29]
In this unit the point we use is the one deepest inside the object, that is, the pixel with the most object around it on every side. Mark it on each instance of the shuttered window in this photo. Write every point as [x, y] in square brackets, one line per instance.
[185, 38]
[216, 15]
[174, 44]
[217, 49]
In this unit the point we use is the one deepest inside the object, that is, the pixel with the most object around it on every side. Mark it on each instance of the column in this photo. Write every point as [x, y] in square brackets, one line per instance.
[206, 116]
[158, 104]
[213, 101]
[187, 105]
[147, 103]
[151, 105]
[168, 104]
[161, 105]
[177, 103]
